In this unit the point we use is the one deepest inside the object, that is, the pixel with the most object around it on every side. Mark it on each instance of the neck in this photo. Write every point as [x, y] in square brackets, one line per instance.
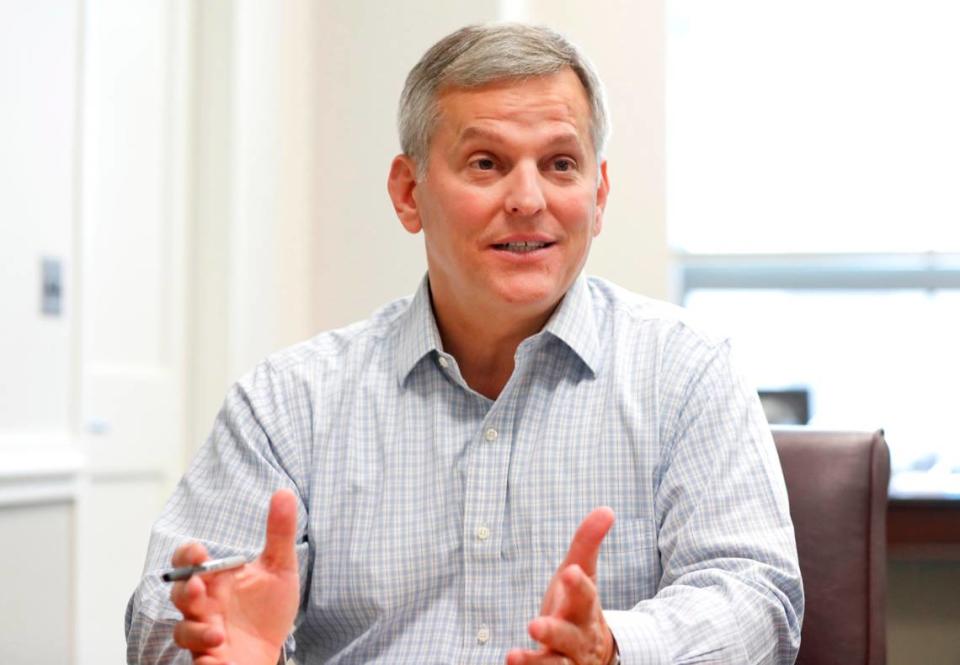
[484, 342]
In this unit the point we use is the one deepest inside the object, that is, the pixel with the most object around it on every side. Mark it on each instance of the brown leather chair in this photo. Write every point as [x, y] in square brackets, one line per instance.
[837, 485]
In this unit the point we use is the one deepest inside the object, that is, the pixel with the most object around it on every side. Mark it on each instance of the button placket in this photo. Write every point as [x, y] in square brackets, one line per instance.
[485, 496]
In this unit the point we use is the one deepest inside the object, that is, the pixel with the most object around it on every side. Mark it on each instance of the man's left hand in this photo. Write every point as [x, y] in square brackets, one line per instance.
[571, 628]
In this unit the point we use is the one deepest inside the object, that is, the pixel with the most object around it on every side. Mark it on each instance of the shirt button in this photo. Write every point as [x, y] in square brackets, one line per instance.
[444, 363]
[490, 434]
[483, 532]
[483, 635]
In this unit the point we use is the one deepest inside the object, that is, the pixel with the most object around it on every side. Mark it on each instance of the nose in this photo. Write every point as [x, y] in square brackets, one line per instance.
[524, 191]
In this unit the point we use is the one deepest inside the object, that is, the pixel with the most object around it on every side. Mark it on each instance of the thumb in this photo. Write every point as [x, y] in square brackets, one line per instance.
[279, 552]
[585, 546]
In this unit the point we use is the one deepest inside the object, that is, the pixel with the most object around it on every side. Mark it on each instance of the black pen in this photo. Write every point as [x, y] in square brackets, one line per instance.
[211, 566]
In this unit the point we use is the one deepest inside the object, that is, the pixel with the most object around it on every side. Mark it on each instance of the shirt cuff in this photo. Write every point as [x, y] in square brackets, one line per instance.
[639, 638]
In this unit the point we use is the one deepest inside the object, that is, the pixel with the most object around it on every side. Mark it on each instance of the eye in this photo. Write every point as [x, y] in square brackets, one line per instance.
[564, 164]
[483, 164]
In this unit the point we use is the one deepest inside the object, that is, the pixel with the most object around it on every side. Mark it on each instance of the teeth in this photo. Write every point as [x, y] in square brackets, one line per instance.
[522, 246]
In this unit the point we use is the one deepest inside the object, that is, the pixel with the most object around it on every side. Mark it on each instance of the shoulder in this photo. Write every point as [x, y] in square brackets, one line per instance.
[658, 347]
[333, 345]
[333, 354]
[632, 318]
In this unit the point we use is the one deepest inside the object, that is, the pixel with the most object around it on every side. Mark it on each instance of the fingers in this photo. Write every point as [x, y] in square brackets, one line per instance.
[525, 657]
[197, 636]
[572, 625]
[579, 596]
[577, 628]
[189, 555]
[190, 597]
[585, 546]
[557, 635]
[279, 552]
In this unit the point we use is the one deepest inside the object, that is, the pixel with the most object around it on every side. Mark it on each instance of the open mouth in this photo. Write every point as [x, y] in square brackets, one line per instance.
[522, 247]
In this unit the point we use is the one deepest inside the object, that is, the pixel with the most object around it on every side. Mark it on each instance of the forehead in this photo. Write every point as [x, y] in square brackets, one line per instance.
[548, 103]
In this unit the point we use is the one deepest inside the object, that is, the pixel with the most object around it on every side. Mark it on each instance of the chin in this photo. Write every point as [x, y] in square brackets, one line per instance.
[524, 294]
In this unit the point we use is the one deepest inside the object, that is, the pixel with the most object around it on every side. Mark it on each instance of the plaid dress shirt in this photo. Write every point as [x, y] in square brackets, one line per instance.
[431, 518]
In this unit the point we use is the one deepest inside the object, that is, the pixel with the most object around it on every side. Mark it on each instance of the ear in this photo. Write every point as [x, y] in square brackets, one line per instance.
[401, 184]
[603, 189]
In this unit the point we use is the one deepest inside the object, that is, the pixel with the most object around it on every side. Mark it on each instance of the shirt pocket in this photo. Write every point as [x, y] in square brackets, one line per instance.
[628, 569]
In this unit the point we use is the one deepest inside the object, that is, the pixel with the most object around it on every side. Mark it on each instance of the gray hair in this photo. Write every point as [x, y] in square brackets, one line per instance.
[479, 54]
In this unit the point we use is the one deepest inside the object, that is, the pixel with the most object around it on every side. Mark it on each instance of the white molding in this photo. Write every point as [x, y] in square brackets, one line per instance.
[149, 476]
[38, 490]
[47, 459]
[39, 474]
[38, 453]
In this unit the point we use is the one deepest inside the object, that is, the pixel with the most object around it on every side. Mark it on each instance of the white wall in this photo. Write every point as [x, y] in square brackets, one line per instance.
[134, 186]
[38, 463]
[37, 610]
[93, 171]
[38, 84]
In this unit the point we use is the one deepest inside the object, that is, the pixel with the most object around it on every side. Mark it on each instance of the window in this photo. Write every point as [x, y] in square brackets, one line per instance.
[813, 198]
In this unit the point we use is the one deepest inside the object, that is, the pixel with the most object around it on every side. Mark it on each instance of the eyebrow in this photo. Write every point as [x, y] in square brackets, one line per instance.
[473, 132]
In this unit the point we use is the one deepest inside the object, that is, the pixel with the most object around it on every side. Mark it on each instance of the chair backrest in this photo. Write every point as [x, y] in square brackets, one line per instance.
[837, 485]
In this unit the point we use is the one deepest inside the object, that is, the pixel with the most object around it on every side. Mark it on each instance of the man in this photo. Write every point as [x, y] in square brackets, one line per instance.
[451, 469]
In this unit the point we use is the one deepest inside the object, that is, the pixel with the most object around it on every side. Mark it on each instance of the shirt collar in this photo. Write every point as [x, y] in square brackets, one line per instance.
[418, 333]
[572, 323]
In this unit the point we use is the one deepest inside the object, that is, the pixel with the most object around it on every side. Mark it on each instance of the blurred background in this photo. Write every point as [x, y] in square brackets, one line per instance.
[188, 186]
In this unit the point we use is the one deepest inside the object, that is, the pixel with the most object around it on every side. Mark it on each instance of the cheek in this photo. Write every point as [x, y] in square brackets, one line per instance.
[577, 214]
[467, 213]
[474, 206]
[457, 223]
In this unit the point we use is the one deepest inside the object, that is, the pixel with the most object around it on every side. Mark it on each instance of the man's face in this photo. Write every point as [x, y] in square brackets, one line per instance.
[511, 199]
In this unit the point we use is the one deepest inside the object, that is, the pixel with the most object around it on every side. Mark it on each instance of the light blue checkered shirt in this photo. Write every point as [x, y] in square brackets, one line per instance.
[432, 518]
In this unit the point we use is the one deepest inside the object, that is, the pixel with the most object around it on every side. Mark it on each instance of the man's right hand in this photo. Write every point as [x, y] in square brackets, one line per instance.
[242, 616]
